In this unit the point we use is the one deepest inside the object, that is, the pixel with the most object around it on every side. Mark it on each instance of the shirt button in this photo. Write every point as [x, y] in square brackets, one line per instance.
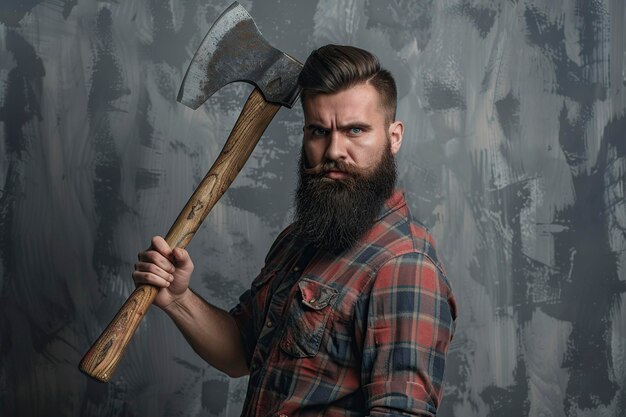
[296, 269]
[269, 323]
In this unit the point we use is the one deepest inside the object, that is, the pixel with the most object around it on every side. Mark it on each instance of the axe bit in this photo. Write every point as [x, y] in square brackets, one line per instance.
[233, 50]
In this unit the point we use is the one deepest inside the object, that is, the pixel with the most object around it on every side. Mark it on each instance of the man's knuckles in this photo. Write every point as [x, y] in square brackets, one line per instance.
[155, 258]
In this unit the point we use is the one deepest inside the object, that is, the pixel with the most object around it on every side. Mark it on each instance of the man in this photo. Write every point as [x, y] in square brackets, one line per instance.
[352, 314]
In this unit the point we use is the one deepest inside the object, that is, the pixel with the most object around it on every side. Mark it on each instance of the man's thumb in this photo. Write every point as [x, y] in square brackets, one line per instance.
[180, 255]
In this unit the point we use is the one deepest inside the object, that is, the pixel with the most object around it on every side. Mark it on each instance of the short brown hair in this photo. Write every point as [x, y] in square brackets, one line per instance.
[333, 68]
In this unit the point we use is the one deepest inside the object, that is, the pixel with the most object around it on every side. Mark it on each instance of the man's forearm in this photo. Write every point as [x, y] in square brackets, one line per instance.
[211, 332]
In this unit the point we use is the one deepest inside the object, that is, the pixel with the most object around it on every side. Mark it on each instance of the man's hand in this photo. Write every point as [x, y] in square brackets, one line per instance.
[167, 269]
[211, 331]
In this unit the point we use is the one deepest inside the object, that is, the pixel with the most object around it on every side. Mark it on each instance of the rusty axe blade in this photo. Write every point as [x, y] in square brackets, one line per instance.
[233, 50]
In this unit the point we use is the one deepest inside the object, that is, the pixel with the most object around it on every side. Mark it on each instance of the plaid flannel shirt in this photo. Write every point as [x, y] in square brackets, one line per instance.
[363, 333]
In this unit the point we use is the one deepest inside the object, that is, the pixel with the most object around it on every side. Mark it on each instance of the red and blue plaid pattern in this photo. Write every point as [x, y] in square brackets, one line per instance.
[363, 333]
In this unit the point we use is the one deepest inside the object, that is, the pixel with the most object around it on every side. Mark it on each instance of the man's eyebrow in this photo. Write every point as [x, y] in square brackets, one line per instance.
[313, 126]
[360, 125]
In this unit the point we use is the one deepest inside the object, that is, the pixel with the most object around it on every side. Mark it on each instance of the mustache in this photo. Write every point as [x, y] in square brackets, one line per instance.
[326, 166]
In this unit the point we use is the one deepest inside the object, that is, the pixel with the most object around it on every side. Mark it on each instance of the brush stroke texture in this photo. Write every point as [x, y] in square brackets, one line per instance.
[514, 155]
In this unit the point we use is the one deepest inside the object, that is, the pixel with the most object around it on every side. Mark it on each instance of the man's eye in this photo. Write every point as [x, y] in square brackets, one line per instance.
[356, 130]
[318, 131]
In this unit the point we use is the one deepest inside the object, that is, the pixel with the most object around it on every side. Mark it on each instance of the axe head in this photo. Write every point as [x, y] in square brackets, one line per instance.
[235, 50]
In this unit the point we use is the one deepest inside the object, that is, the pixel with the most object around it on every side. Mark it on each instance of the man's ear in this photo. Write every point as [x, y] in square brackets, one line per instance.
[396, 131]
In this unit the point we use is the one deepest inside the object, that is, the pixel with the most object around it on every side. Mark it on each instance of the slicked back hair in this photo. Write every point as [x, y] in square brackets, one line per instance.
[333, 68]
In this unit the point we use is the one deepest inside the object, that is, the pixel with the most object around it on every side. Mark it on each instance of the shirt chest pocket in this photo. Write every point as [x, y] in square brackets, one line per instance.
[307, 317]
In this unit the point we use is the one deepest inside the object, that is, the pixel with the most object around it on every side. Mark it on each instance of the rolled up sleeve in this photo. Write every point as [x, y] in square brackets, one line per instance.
[410, 324]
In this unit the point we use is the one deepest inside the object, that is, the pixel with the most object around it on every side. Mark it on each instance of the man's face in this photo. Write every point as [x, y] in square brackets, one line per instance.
[347, 168]
[348, 128]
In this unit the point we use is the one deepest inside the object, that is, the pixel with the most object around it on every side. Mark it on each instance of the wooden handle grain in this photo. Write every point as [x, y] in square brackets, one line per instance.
[102, 359]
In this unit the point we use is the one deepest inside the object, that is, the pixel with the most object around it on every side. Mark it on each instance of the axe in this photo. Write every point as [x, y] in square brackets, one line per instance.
[232, 50]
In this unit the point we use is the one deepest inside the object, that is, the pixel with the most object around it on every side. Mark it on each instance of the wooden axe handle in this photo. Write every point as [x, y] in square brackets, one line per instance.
[104, 355]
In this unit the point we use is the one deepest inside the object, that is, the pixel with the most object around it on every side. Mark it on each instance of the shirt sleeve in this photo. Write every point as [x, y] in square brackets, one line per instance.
[242, 313]
[251, 305]
[410, 324]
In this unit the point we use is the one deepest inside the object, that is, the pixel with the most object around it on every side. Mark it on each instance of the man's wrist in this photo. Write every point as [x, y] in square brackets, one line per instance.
[180, 304]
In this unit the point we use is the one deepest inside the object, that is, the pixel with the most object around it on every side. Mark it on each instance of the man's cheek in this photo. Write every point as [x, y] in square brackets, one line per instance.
[308, 160]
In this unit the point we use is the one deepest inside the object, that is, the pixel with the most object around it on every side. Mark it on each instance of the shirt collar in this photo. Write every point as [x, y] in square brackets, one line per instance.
[393, 203]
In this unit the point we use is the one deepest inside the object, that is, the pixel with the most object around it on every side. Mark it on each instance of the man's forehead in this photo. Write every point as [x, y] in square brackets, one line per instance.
[360, 86]
[352, 104]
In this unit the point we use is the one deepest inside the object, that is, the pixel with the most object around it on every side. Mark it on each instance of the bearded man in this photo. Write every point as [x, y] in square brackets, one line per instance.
[352, 314]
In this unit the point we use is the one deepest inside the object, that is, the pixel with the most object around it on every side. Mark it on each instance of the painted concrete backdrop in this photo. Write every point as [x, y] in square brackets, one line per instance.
[514, 155]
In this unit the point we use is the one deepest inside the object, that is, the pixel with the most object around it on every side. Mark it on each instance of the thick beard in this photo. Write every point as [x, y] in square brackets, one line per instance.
[334, 214]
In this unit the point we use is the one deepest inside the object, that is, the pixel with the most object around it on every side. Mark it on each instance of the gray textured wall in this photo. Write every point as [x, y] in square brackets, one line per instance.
[514, 154]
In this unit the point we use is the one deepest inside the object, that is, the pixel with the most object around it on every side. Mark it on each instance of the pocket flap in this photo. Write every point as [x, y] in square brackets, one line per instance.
[316, 295]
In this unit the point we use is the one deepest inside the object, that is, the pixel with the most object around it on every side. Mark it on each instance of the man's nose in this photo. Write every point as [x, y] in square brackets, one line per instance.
[336, 149]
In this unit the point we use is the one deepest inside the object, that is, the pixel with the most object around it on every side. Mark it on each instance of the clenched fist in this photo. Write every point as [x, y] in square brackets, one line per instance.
[167, 269]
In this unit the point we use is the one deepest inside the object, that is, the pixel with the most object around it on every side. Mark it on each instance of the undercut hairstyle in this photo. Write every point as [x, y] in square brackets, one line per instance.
[333, 68]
